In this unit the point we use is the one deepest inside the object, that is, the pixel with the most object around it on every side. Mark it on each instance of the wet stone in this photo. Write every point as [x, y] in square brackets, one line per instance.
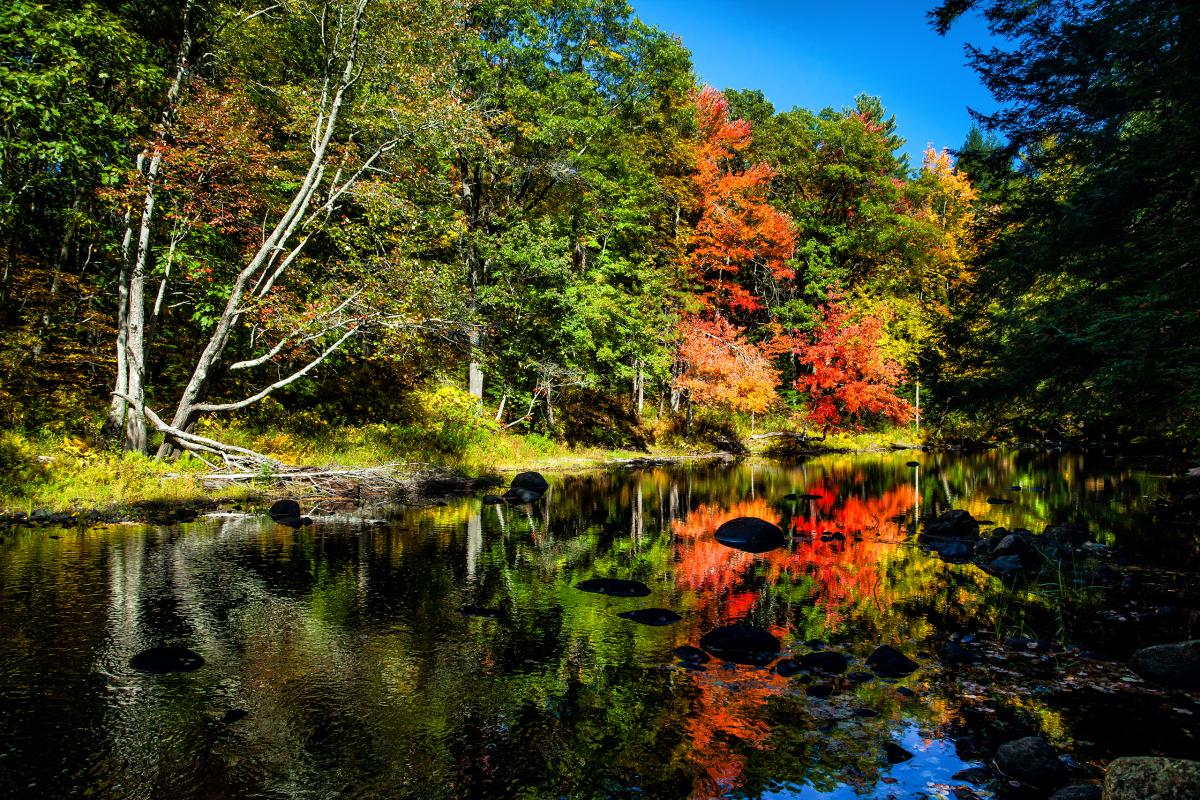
[232, 715]
[860, 677]
[651, 616]
[1079, 792]
[1149, 778]
[825, 661]
[519, 496]
[533, 481]
[492, 500]
[788, 667]
[999, 501]
[973, 774]
[819, 690]
[690, 654]
[912, 463]
[751, 535]
[896, 754]
[161, 660]
[864, 713]
[890, 662]
[284, 509]
[741, 644]
[1175, 665]
[1032, 762]
[614, 587]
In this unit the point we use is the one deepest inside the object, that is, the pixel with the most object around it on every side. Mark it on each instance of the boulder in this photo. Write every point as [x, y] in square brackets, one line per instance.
[953, 550]
[890, 662]
[741, 644]
[819, 690]
[1032, 762]
[691, 655]
[957, 524]
[533, 481]
[951, 653]
[284, 509]
[1067, 535]
[1175, 665]
[651, 616]
[825, 660]
[492, 500]
[1006, 568]
[519, 496]
[1149, 778]
[896, 754]
[788, 667]
[615, 587]
[161, 660]
[751, 535]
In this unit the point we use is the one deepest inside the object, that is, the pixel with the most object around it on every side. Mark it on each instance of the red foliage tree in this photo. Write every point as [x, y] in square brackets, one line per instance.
[738, 233]
[851, 379]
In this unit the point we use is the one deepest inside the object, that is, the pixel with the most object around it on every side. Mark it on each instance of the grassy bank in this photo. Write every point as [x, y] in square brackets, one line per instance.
[64, 473]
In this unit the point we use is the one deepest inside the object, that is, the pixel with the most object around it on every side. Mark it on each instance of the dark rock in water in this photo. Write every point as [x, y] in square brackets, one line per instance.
[533, 481]
[751, 535]
[790, 497]
[864, 713]
[1067, 535]
[860, 677]
[819, 690]
[492, 500]
[953, 550]
[1083, 791]
[951, 653]
[999, 501]
[482, 611]
[1174, 665]
[651, 616]
[972, 775]
[896, 754]
[810, 496]
[912, 464]
[956, 524]
[788, 667]
[614, 587]
[1005, 567]
[519, 496]
[294, 522]
[691, 666]
[904, 691]
[691, 655]
[161, 660]
[890, 662]
[741, 644]
[1147, 778]
[825, 660]
[232, 715]
[284, 509]
[1032, 762]
[1014, 488]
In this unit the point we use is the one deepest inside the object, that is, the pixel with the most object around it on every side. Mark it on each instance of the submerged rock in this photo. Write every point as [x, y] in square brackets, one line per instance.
[1149, 778]
[651, 616]
[956, 524]
[788, 667]
[533, 481]
[741, 644]
[232, 715]
[826, 661]
[890, 662]
[614, 587]
[691, 655]
[912, 464]
[482, 611]
[1175, 665]
[951, 653]
[492, 500]
[999, 501]
[751, 535]
[896, 754]
[1083, 791]
[161, 660]
[519, 496]
[284, 509]
[1032, 762]
[819, 690]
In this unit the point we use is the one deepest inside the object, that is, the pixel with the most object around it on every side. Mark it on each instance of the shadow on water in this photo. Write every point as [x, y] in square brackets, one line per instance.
[448, 652]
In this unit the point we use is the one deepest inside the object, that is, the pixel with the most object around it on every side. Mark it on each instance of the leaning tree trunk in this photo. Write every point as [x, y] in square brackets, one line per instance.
[269, 261]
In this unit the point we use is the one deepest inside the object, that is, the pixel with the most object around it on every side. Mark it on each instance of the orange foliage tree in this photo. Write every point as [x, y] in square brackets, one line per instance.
[721, 369]
[851, 379]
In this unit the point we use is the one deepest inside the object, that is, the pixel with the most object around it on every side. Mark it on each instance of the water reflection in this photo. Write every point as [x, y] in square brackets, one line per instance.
[344, 643]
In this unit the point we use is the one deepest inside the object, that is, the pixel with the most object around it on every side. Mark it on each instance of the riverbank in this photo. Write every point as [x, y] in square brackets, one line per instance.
[66, 480]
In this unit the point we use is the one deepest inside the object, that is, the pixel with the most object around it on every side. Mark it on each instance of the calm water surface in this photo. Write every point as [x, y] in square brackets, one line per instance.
[343, 641]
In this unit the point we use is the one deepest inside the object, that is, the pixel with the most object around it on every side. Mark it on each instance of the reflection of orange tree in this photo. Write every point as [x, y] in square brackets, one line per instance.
[725, 712]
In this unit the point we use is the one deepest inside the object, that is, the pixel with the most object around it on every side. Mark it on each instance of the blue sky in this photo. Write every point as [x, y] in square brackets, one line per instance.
[817, 54]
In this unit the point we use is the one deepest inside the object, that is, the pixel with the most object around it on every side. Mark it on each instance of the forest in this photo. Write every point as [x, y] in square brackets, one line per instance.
[426, 225]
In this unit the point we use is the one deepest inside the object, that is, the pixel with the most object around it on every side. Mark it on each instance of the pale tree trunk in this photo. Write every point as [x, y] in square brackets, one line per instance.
[117, 409]
[133, 327]
[475, 367]
[273, 256]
